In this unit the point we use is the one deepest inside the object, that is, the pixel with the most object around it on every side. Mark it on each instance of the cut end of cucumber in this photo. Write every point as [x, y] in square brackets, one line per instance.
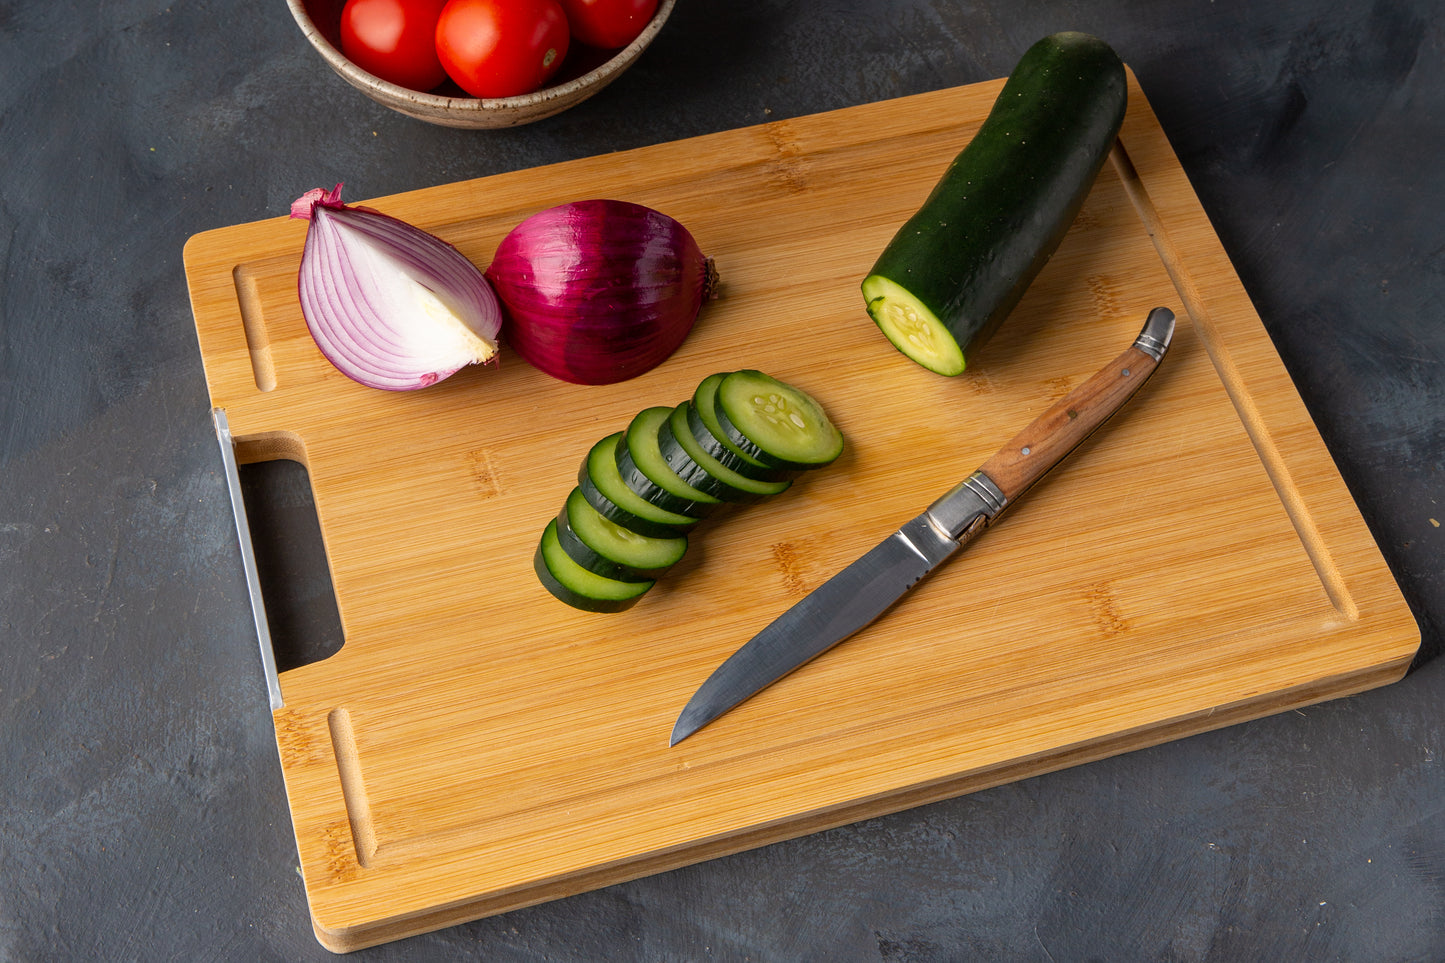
[911, 327]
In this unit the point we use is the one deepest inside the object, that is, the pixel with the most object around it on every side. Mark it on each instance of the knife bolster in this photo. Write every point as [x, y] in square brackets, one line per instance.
[975, 498]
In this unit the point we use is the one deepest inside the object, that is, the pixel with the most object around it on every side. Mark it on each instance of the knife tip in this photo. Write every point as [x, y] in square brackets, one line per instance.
[679, 733]
[689, 721]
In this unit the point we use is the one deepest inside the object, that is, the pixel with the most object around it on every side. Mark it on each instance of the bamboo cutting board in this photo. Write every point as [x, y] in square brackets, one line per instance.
[477, 746]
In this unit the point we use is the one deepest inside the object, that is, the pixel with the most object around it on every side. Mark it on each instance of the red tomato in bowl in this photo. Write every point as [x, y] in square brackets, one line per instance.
[608, 23]
[501, 48]
[395, 40]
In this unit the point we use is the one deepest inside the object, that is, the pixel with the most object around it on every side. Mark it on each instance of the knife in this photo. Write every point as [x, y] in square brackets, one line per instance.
[867, 588]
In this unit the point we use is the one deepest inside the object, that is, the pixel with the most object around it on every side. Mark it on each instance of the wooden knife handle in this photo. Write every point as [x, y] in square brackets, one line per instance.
[1058, 431]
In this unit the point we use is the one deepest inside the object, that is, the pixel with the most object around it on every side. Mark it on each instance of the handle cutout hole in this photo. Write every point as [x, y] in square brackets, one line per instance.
[291, 563]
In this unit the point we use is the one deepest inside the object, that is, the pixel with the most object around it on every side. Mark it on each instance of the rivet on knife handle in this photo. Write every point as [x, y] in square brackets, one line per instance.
[866, 589]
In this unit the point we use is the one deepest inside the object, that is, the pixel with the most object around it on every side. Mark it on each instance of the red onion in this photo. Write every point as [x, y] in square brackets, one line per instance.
[595, 292]
[388, 304]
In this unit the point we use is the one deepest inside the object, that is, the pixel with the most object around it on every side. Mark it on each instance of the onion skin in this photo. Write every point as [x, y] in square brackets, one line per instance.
[599, 291]
[389, 305]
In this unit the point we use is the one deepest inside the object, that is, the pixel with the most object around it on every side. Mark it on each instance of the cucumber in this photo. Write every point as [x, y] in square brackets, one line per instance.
[958, 266]
[702, 420]
[645, 471]
[686, 457]
[573, 584]
[604, 489]
[611, 550]
[774, 423]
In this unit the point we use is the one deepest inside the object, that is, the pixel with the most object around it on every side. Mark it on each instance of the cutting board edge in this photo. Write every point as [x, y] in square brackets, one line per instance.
[346, 938]
[1224, 316]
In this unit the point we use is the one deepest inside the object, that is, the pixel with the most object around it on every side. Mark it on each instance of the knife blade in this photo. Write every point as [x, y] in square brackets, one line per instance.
[868, 587]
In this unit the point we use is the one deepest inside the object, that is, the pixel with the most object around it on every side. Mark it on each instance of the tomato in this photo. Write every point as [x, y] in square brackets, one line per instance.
[608, 23]
[501, 48]
[394, 39]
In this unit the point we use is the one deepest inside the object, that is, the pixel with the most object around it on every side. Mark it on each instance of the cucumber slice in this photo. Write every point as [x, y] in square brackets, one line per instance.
[912, 326]
[604, 489]
[610, 550]
[685, 456]
[702, 419]
[775, 423]
[573, 584]
[643, 469]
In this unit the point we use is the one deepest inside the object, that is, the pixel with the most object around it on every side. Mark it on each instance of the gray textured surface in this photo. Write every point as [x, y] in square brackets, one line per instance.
[141, 807]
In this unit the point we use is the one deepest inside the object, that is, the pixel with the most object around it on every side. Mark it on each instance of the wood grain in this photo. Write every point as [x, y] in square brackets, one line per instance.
[476, 746]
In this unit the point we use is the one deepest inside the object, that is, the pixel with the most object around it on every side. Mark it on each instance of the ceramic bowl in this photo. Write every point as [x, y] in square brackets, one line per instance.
[585, 72]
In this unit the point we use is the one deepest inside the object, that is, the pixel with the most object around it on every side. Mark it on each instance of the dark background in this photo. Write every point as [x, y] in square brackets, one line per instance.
[142, 815]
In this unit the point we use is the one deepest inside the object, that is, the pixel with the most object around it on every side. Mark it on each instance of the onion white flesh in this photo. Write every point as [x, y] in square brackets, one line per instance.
[388, 304]
[599, 291]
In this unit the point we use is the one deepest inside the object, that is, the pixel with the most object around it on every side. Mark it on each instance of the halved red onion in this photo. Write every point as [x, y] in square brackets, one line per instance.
[599, 291]
[388, 304]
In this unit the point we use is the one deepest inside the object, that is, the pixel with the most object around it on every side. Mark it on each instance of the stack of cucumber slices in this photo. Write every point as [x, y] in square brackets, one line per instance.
[742, 437]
